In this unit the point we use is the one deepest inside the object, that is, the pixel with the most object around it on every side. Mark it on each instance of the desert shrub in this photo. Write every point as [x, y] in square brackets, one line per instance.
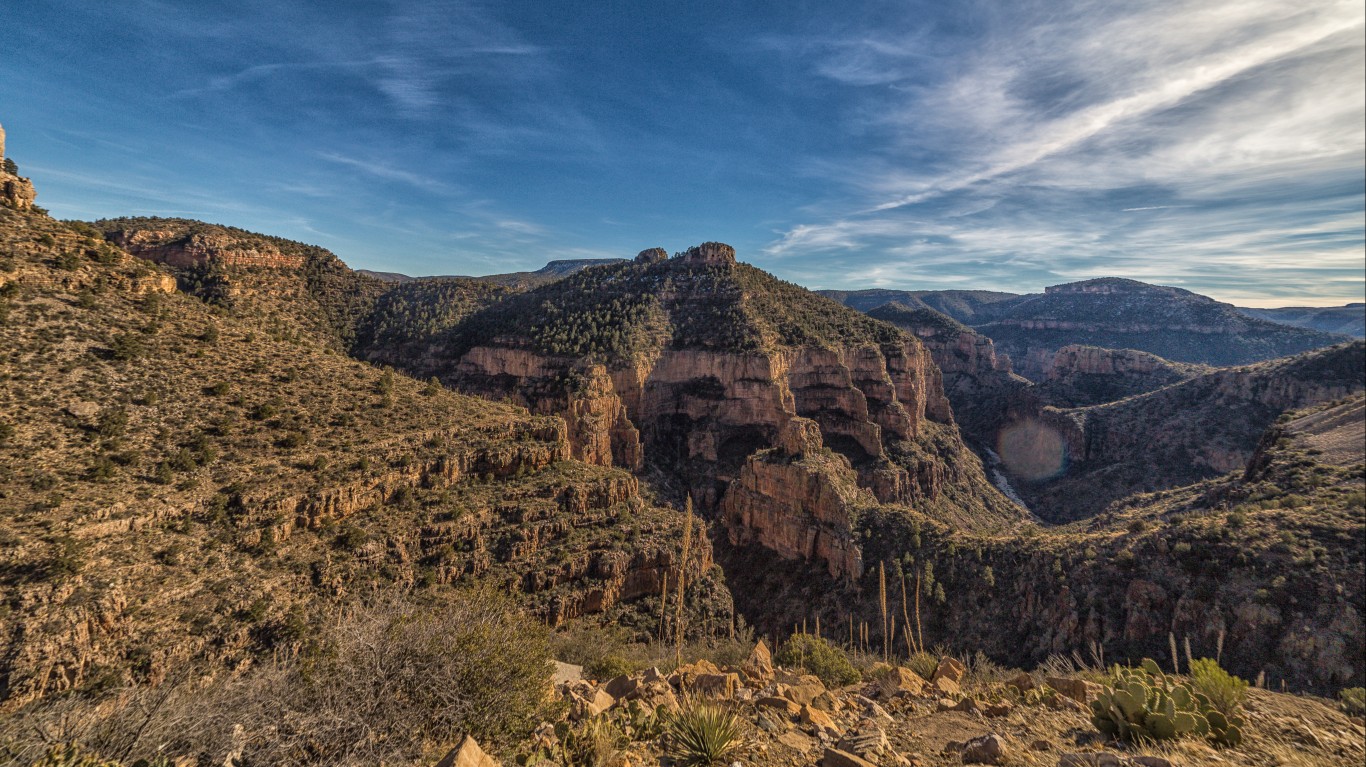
[702, 734]
[386, 683]
[126, 346]
[610, 667]
[72, 755]
[923, 664]
[1225, 691]
[1353, 701]
[818, 656]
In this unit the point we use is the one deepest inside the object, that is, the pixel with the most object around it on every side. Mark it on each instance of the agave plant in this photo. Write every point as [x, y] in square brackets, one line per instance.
[1144, 704]
[702, 734]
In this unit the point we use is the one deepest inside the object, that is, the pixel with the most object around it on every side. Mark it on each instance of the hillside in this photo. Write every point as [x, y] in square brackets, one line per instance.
[1349, 320]
[1193, 430]
[297, 289]
[187, 492]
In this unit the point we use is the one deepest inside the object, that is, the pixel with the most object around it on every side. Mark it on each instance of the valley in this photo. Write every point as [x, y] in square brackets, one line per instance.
[227, 456]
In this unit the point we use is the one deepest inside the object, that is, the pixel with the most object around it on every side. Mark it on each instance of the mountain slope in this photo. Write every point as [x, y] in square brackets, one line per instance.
[1173, 436]
[182, 489]
[1111, 313]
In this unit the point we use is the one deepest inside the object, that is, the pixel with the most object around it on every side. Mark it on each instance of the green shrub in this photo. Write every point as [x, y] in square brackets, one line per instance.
[126, 346]
[609, 667]
[1353, 701]
[1225, 691]
[818, 656]
[702, 734]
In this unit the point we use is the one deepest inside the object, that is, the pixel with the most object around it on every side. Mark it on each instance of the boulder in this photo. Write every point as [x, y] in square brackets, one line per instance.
[622, 686]
[590, 704]
[565, 673]
[716, 685]
[906, 681]
[836, 758]
[949, 668]
[820, 720]
[987, 749]
[469, 754]
[1000, 709]
[1079, 690]
[802, 694]
[780, 704]
[759, 665]
[866, 741]
[945, 686]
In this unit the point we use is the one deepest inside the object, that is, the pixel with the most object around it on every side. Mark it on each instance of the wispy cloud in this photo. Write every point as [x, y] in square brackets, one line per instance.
[388, 172]
[1237, 121]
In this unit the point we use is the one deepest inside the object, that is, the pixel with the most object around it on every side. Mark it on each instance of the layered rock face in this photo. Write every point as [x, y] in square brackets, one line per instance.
[709, 410]
[1089, 375]
[174, 248]
[800, 501]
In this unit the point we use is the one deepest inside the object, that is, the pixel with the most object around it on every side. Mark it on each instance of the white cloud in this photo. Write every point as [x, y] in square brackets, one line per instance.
[1087, 138]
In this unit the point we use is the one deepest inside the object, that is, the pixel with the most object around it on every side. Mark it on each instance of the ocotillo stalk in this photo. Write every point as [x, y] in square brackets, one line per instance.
[882, 604]
[818, 624]
[906, 618]
[919, 630]
[682, 579]
[1176, 661]
[663, 604]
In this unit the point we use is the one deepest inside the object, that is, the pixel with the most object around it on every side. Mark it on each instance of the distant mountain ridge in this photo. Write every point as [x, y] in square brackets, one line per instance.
[1349, 319]
[1113, 313]
[553, 270]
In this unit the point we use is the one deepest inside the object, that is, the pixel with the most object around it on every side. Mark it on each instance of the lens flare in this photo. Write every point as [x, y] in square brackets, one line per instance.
[1032, 450]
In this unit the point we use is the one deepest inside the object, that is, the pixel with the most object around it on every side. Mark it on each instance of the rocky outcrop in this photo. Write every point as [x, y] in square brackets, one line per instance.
[15, 190]
[177, 249]
[709, 254]
[800, 501]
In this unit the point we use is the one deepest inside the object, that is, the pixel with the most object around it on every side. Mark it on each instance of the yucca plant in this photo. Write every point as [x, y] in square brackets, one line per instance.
[702, 734]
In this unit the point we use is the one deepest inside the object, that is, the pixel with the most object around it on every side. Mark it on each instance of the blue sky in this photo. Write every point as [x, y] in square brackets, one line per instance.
[1217, 145]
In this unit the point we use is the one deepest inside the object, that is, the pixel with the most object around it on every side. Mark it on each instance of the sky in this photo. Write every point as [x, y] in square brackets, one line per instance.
[1216, 145]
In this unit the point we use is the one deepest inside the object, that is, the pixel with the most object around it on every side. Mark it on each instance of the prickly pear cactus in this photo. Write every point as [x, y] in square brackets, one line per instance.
[1143, 704]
